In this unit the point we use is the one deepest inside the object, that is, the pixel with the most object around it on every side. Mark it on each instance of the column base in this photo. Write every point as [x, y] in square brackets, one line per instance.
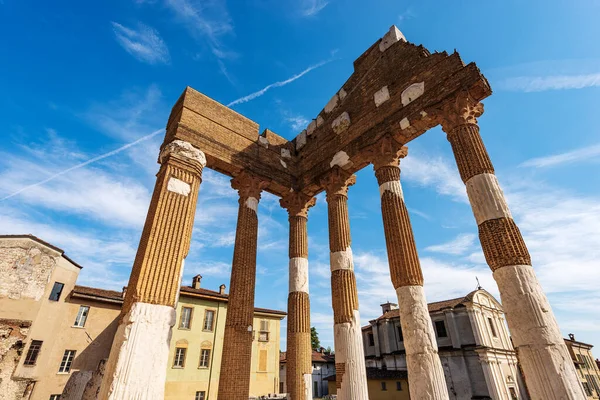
[137, 366]
[425, 374]
[547, 366]
[350, 360]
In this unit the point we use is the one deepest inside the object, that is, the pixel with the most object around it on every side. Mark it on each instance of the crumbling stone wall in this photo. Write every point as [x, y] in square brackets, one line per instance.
[25, 268]
[12, 335]
[92, 389]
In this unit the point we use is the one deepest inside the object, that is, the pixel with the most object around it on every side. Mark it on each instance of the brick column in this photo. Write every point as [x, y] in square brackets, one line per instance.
[299, 349]
[351, 377]
[425, 373]
[237, 344]
[136, 368]
[547, 366]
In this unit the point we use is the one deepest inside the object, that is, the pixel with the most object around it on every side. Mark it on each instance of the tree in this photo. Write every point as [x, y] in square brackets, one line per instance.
[314, 339]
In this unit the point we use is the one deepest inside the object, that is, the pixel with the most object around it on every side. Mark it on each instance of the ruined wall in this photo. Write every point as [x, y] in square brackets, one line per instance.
[12, 335]
[25, 267]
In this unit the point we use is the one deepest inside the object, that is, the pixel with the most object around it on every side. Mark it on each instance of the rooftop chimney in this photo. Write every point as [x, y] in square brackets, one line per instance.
[572, 336]
[222, 289]
[124, 291]
[385, 307]
[196, 281]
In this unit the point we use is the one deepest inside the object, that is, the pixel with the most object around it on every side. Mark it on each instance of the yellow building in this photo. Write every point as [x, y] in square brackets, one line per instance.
[587, 368]
[55, 335]
[382, 384]
[197, 345]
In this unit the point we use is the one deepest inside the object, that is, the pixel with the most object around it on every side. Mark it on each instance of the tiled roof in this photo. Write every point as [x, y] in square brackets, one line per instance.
[376, 373]
[40, 241]
[188, 290]
[434, 307]
[317, 357]
[99, 294]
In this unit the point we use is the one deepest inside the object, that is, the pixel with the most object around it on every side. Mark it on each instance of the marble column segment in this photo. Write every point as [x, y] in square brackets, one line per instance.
[547, 366]
[425, 372]
[136, 368]
[237, 342]
[299, 349]
[351, 379]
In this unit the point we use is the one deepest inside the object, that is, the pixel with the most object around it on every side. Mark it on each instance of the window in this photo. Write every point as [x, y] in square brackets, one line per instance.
[179, 360]
[587, 389]
[263, 335]
[400, 335]
[33, 352]
[262, 361]
[513, 394]
[55, 397]
[204, 358]
[209, 317]
[186, 318]
[398, 386]
[56, 291]
[82, 316]
[67, 360]
[440, 329]
[201, 395]
[383, 386]
[371, 339]
[492, 327]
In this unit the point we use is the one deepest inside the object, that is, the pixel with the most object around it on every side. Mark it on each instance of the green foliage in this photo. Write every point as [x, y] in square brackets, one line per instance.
[314, 339]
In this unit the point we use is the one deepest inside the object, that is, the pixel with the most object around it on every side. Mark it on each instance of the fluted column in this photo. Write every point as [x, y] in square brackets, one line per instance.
[425, 373]
[299, 349]
[547, 366]
[237, 344]
[351, 379]
[140, 350]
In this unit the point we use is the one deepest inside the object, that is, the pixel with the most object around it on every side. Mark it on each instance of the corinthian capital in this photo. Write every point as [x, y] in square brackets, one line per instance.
[463, 110]
[337, 181]
[297, 204]
[248, 185]
[386, 152]
[182, 150]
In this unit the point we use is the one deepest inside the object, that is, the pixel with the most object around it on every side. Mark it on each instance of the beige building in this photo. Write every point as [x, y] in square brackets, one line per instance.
[55, 335]
[587, 368]
[475, 348]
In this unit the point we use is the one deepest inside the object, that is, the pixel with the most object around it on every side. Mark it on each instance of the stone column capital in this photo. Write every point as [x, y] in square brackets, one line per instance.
[297, 204]
[462, 110]
[337, 181]
[387, 152]
[248, 185]
[184, 152]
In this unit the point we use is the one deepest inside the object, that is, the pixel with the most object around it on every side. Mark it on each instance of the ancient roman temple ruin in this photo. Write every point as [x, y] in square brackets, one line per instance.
[397, 92]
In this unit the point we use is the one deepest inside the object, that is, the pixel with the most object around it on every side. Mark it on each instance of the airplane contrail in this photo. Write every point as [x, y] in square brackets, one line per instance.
[83, 164]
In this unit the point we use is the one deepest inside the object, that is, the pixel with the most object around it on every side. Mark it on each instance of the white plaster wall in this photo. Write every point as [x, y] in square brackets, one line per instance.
[140, 351]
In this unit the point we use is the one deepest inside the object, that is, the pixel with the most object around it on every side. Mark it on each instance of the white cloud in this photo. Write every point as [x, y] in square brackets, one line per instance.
[262, 91]
[297, 122]
[435, 172]
[310, 8]
[459, 245]
[582, 154]
[144, 43]
[552, 82]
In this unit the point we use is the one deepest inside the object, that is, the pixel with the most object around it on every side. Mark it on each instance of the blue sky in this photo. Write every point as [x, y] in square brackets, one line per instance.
[81, 79]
